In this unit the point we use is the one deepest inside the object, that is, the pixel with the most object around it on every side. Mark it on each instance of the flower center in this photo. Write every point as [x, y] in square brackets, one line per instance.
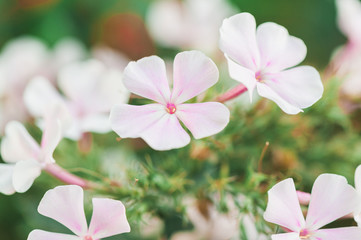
[258, 76]
[305, 234]
[171, 108]
[88, 238]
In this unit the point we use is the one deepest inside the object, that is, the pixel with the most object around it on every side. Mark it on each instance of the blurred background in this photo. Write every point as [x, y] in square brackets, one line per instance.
[324, 139]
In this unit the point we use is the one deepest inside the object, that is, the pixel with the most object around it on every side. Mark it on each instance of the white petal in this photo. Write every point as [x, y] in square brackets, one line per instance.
[43, 235]
[193, 73]
[331, 198]
[108, 218]
[98, 123]
[278, 50]
[17, 144]
[238, 40]
[6, 179]
[65, 205]
[283, 207]
[357, 212]
[286, 236]
[242, 75]
[147, 78]
[25, 173]
[203, 119]
[349, 19]
[344, 233]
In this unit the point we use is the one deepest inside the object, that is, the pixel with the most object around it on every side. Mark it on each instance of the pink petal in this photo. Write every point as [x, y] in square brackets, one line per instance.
[203, 119]
[166, 134]
[193, 73]
[286, 236]
[65, 205]
[43, 235]
[349, 19]
[278, 50]
[6, 179]
[25, 173]
[331, 198]
[345, 233]
[242, 75]
[147, 78]
[98, 123]
[238, 40]
[17, 144]
[39, 95]
[129, 121]
[357, 212]
[108, 218]
[283, 207]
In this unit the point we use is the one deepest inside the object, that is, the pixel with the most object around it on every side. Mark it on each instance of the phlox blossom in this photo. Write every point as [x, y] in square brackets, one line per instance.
[331, 198]
[65, 205]
[158, 123]
[24, 157]
[90, 90]
[263, 59]
[349, 20]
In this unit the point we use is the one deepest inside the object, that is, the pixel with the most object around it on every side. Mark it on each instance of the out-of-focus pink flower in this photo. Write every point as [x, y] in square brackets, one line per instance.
[357, 213]
[24, 157]
[33, 58]
[158, 123]
[349, 20]
[263, 59]
[65, 205]
[90, 91]
[331, 198]
[189, 24]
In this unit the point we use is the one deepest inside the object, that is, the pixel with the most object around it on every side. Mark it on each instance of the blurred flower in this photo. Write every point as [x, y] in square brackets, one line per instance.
[21, 60]
[65, 205]
[189, 24]
[262, 59]
[357, 213]
[24, 157]
[158, 123]
[331, 198]
[90, 91]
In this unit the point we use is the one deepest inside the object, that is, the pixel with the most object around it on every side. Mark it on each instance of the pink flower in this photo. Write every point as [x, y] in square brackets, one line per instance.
[65, 205]
[331, 198]
[24, 157]
[158, 123]
[263, 59]
[357, 212]
[349, 20]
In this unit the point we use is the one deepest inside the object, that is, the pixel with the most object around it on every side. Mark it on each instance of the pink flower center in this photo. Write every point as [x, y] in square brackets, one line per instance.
[88, 238]
[258, 76]
[171, 108]
[305, 234]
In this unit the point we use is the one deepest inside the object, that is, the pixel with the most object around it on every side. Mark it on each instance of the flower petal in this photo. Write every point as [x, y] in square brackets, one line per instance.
[6, 179]
[65, 205]
[300, 86]
[203, 119]
[43, 235]
[193, 73]
[283, 207]
[98, 123]
[278, 50]
[286, 236]
[349, 19]
[147, 78]
[329, 196]
[108, 218]
[17, 144]
[238, 40]
[25, 173]
[345, 233]
[128, 121]
[242, 75]
[357, 212]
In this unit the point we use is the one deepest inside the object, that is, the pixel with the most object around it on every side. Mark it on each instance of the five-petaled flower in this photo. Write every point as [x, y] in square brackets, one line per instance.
[158, 123]
[262, 59]
[65, 205]
[331, 198]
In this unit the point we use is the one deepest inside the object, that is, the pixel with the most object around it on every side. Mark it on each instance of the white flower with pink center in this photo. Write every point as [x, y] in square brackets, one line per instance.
[264, 58]
[65, 205]
[331, 198]
[158, 123]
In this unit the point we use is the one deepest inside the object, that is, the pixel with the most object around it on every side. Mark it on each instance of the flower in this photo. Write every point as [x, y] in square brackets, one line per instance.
[90, 91]
[331, 198]
[158, 123]
[65, 205]
[188, 24]
[357, 213]
[349, 20]
[24, 157]
[263, 59]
